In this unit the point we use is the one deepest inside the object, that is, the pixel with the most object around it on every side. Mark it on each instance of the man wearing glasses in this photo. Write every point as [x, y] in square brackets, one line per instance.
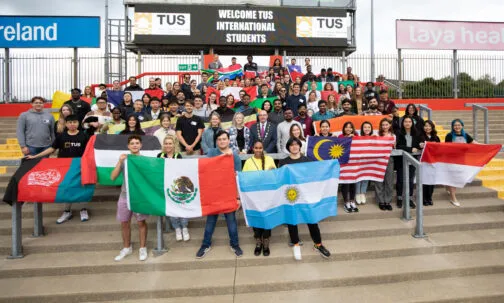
[186, 87]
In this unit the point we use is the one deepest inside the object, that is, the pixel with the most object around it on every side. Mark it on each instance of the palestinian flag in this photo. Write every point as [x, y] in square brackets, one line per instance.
[225, 73]
[102, 154]
[53, 180]
[181, 187]
[148, 127]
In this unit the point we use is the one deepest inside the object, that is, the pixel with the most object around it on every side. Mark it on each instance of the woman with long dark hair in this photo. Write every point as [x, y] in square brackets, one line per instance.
[348, 189]
[408, 140]
[361, 186]
[429, 135]
[383, 190]
[260, 161]
[132, 126]
[412, 111]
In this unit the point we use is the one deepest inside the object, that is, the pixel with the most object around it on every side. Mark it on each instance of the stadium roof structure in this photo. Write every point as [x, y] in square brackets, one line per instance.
[261, 27]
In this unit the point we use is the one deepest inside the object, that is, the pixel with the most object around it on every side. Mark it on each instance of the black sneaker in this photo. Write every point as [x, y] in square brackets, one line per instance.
[382, 206]
[412, 204]
[237, 251]
[322, 251]
[399, 203]
[202, 252]
[388, 206]
[347, 208]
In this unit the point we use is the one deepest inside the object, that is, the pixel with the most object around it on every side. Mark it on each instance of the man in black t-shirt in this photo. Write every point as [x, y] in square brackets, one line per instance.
[250, 65]
[224, 112]
[79, 106]
[70, 144]
[189, 130]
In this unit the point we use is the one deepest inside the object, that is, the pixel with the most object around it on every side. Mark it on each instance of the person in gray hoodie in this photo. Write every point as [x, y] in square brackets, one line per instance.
[35, 128]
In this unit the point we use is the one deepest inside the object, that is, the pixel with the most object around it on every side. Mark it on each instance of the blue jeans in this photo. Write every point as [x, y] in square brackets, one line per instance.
[178, 222]
[36, 150]
[361, 187]
[231, 225]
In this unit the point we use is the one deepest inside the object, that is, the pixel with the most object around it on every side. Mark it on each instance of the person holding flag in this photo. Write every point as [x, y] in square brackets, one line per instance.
[457, 135]
[259, 161]
[123, 213]
[383, 190]
[348, 189]
[293, 146]
[429, 135]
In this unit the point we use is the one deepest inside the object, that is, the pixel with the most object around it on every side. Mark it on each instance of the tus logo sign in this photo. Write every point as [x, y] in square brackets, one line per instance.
[170, 24]
[321, 27]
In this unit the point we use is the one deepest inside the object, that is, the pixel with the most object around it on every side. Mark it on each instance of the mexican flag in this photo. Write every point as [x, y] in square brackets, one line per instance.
[183, 188]
[102, 154]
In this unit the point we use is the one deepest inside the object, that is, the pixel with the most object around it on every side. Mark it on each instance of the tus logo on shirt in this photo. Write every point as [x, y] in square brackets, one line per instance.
[72, 144]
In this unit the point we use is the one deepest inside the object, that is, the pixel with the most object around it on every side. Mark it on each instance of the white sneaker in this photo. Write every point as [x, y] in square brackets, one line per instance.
[455, 203]
[296, 249]
[178, 234]
[358, 198]
[67, 215]
[185, 234]
[124, 253]
[84, 215]
[142, 254]
[352, 204]
[363, 199]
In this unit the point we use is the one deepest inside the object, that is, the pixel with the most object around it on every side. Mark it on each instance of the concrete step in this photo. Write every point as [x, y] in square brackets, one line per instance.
[107, 234]
[181, 256]
[250, 279]
[475, 289]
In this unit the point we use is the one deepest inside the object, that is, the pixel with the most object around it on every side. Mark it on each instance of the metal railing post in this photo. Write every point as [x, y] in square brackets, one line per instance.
[38, 224]
[75, 62]
[475, 109]
[17, 240]
[400, 73]
[160, 245]
[424, 108]
[406, 190]
[419, 232]
[7, 84]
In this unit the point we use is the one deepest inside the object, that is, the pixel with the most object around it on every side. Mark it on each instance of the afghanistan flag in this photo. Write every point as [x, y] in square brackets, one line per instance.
[148, 127]
[56, 180]
[102, 154]
[183, 188]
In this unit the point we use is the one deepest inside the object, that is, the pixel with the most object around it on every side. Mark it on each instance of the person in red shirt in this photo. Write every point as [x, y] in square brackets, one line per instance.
[305, 120]
[154, 90]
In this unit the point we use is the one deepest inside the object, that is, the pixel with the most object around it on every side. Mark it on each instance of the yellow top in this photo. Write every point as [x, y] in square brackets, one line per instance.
[253, 164]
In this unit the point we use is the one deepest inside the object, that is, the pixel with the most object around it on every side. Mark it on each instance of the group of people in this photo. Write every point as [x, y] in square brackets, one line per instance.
[281, 127]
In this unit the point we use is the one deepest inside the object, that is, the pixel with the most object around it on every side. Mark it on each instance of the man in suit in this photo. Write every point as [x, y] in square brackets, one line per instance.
[265, 132]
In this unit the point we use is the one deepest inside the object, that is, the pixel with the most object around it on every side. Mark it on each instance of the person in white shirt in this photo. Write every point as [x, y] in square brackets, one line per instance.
[166, 128]
[283, 130]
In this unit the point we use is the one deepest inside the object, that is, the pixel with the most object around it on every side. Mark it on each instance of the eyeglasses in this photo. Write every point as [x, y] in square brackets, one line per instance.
[283, 91]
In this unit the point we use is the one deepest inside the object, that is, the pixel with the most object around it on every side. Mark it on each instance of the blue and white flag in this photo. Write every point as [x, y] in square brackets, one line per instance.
[293, 194]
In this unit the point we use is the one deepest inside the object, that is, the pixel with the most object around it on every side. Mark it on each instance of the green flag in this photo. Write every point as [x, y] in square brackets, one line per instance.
[347, 82]
[257, 103]
[319, 86]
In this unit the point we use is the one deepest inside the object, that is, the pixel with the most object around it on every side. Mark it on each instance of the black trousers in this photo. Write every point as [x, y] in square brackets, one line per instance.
[261, 233]
[400, 179]
[428, 190]
[314, 233]
[348, 191]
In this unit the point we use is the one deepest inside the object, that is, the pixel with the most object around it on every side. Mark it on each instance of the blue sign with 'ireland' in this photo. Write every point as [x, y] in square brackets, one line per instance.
[49, 31]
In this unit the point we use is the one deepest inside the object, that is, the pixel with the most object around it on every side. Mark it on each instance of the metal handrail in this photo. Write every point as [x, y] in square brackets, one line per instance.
[475, 109]
[408, 160]
[424, 108]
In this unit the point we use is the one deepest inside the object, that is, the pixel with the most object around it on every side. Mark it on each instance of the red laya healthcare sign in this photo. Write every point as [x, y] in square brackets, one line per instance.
[427, 34]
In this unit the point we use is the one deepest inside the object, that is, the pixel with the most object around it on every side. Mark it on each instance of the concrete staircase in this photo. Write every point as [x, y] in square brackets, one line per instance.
[374, 257]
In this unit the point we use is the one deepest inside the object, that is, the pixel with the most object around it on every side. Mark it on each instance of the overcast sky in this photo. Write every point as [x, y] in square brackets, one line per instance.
[386, 12]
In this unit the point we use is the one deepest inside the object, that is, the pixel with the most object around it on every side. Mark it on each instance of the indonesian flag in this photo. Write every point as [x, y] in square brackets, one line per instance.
[454, 164]
[184, 188]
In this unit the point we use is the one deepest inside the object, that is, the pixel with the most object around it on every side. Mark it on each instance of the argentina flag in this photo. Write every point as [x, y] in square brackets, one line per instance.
[292, 194]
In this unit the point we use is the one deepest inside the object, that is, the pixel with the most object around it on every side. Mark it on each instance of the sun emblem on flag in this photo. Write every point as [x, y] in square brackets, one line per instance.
[336, 151]
[292, 194]
[182, 191]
